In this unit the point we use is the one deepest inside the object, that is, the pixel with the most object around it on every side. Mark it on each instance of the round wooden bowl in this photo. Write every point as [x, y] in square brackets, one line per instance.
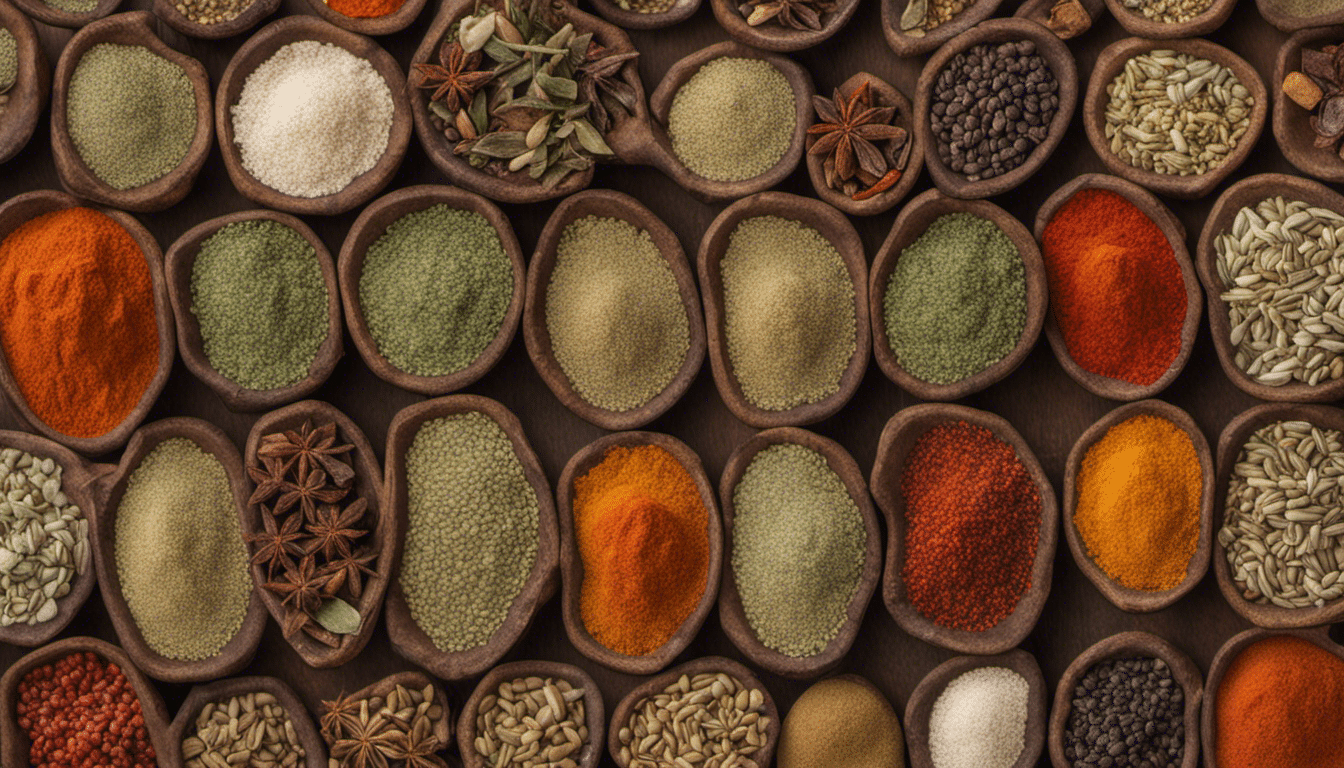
[1250, 191]
[183, 726]
[1137, 24]
[1111, 63]
[837, 229]
[911, 223]
[51, 16]
[571, 565]
[586, 756]
[885, 95]
[731, 613]
[237, 653]
[680, 11]
[249, 18]
[1039, 12]
[708, 664]
[385, 539]
[772, 36]
[1285, 22]
[919, 709]
[1174, 231]
[898, 437]
[1127, 598]
[259, 48]
[443, 725]
[408, 639]
[906, 45]
[373, 221]
[32, 83]
[1127, 645]
[395, 21]
[178, 264]
[1292, 132]
[16, 212]
[607, 203]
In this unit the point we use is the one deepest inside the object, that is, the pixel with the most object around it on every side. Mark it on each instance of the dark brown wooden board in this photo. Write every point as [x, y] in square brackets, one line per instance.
[1048, 408]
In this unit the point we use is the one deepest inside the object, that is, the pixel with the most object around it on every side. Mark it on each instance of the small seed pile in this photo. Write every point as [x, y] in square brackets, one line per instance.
[396, 733]
[73, 6]
[1176, 114]
[1284, 526]
[708, 718]
[1126, 713]
[733, 120]
[1282, 266]
[980, 720]
[9, 65]
[1169, 11]
[211, 11]
[533, 722]
[82, 712]
[252, 729]
[44, 539]
[646, 6]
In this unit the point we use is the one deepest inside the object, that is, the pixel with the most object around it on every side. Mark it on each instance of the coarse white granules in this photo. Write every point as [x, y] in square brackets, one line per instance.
[980, 720]
[311, 118]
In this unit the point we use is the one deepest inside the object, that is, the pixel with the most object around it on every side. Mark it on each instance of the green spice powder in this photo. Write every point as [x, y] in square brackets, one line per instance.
[435, 289]
[789, 314]
[258, 294]
[798, 547]
[613, 310]
[180, 554]
[733, 119]
[131, 114]
[956, 302]
[73, 6]
[9, 60]
[471, 538]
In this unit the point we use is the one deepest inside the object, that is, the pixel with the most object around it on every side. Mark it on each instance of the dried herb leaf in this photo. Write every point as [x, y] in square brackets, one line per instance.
[558, 87]
[503, 144]
[590, 138]
[912, 19]
[336, 615]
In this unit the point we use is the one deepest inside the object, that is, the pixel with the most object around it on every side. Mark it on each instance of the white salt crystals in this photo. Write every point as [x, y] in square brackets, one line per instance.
[980, 720]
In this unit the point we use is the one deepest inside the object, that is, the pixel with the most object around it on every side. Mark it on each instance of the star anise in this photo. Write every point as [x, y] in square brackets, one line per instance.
[794, 14]
[301, 588]
[305, 447]
[269, 477]
[333, 530]
[845, 134]
[455, 78]
[278, 542]
[417, 746]
[340, 717]
[348, 571]
[308, 491]
[365, 741]
[600, 83]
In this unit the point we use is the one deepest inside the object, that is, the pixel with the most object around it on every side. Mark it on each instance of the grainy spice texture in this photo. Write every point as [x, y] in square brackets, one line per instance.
[1302, 8]
[1126, 713]
[44, 538]
[252, 729]
[841, 723]
[502, 723]
[733, 119]
[979, 720]
[1169, 11]
[365, 9]
[9, 61]
[72, 709]
[73, 6]
[211, 11]
[717, 718]
[646, 6]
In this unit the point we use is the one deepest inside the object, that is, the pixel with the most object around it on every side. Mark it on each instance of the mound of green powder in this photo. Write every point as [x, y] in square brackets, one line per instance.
[9, 60]
[733, 119]
[956, 302]
[131, 114]
[435, 289]
[257, 292]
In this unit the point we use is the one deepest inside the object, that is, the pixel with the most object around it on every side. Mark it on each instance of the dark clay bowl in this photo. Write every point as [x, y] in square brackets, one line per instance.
[183, 726]
[586, 756]
[32, 83]
[1039, 12]
[252, 15]
[772, 36]
[680, 11]
[40, 11]
[906, 45]
[443, 725]
[1137, 24]
[395, 21]
[1289, 122]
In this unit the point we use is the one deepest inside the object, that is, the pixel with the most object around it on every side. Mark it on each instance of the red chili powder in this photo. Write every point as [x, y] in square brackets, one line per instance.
[364, 9]
[82, 712]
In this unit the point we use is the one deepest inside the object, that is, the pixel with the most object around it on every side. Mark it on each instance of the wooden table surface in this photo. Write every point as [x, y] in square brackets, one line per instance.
[1040, 400]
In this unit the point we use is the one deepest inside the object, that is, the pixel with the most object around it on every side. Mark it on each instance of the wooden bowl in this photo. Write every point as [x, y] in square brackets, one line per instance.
[443, 725]
[1285, 22]
[885, 95]
[587, 756]
[1249, 192]
[373, 221]
[571, 565]
[249, 18]
[1127, 598]
[680, 11]
[837, 229]
[408, 639]
[707, 664]
[237, 653]
[32, 83]
[1111, 63]
[772, 36]
[905, 45]
[20, 209]
[183, 726]
[731, 613]
[1292, 132]
[179, 263]
[395, 21]
[911, 223]
[14, 743]
[256, 51]
[1126, 645]
[607, 203]
[1039, 12]
[1165, 220]
[898, 437]
[40, 11]
[1135, 23]
[385, 539]
[919, 709]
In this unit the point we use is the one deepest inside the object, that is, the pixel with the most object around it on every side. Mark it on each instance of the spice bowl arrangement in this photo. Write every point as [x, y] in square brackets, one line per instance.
[205, 725]
[549, 693]
[57, 17]
[27, 96]
[665, 13]
[1170, 22]
[898, 29]
[383, 24]
[756, 28]
[408, 711]
[242, 20]
[1303, 140]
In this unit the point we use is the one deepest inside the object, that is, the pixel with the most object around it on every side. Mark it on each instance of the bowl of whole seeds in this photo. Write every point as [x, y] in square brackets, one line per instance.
[67, 13]
[1168, 19]
[25, 80]
[523, 701]
[253, 720]
[401, 721]
[783, 26]
[213, 19]
[645, 14]
[1308, 119]
[915, 27]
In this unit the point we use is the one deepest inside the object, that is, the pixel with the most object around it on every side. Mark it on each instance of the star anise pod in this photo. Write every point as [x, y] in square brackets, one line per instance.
[301, 588]
[333, 531]
[417, 746]
[364, 743]
[307, 491]
[270, 479]
[847, 129]
[305, 448]
[455, 78]
[349, 571]
[794, 14]
[340, 717]
[278, 542]
[600, 76]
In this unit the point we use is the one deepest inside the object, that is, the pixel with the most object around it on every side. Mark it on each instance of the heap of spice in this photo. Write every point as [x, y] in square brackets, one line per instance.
[72, 6]
[9, 65]
[1116, 290]
[395, 732]
[643, 537]
[211, 11]
[847, 131]
[842, 722]
[365, 9]
[789, 322]
[1318, 88]
[717, 717]
[923, 16]
[801, 15]
[534, 722]
[1169, 11]
[44, 538]
[1305, 8]
[733, 120]
[646, 6]
[82, 712]
[77, 320]
[980, 720]
[1127, 713]
[1281, 270]
[251, 728]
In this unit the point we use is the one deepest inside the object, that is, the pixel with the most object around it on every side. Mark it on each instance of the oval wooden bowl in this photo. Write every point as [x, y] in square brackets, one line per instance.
[373, 221]
[17, 211]
[183, 726]
[1111, 63]
[1039, 12]
[608, 203]
[731, 613]
[772, 36]
[235, 654]
[587, 756]
[837, 229]
[1249, 192]
[249, 18]
[707, 664]
[395, 21]
[905, 45]
[911, 223]
[385, 539]
[408, 639]
[1127, 598]
[14, 743]
[571, 564]
[260, 47]
[680, 11]
[1285, 22]
[885, 95]
[46, 14]
[179, 263]
[1165, 220]
[32, 83]
[919, 709]
[1137, 24]
[1292, 132]
[443, 726]
[898, 437]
